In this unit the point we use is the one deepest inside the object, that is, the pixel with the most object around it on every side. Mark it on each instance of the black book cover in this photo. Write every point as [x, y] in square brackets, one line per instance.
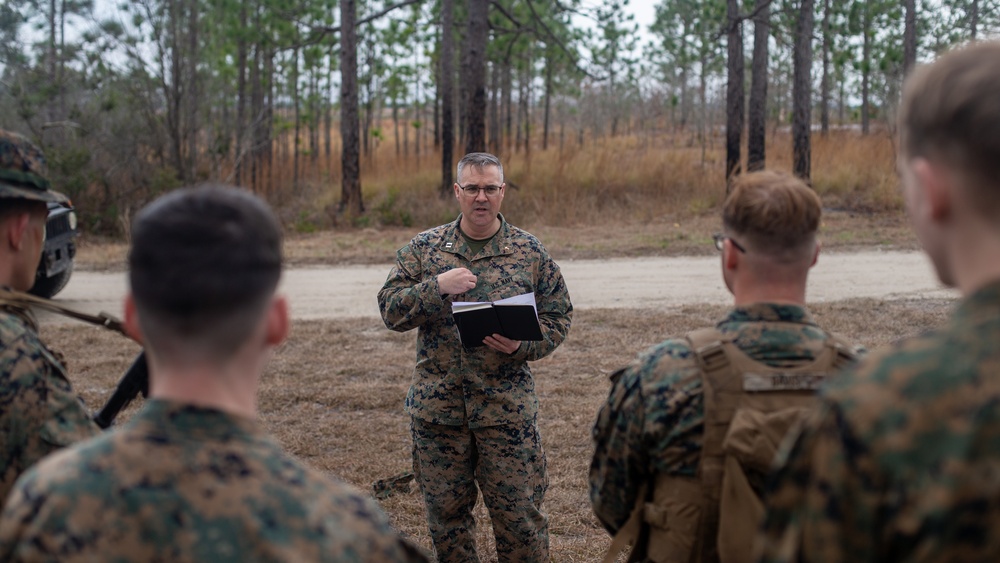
[476, 321]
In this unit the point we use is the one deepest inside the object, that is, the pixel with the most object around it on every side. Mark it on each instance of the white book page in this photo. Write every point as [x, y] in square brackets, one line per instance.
[523, 299]
[459, 306]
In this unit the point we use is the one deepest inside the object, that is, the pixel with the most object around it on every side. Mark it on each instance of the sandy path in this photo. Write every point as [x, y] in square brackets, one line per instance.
[656, 282]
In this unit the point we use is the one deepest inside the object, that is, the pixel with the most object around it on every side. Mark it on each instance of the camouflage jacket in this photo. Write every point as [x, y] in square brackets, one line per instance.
[39, 413]
[652, 422]
[901, 462]
[186, 484]
[479, 387]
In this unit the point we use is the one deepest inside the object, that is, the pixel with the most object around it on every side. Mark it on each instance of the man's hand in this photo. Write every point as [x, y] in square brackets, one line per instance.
[457, 281]
[502, 343]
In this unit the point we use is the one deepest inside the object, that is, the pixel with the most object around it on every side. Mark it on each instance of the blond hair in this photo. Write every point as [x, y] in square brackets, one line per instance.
[772, 213]
[950, 113]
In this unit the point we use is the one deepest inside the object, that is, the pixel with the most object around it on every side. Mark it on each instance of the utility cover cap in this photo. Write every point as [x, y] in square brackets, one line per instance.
[23, 171]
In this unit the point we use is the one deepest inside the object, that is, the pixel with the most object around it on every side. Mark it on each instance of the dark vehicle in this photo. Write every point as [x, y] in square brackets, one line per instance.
[56, 265]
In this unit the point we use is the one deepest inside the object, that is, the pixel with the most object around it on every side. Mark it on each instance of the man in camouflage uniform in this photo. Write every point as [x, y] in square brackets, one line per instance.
[193, 477]
[652, 426]
[473, 410]
[901, 462]
[39, 413]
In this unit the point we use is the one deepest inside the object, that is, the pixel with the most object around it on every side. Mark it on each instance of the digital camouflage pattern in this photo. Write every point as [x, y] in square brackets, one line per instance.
[479, 386]
[23, 171]
[479, 392]
[653, 420]
[185, 484]
[39, 413]
[513, 485]
[901, 463]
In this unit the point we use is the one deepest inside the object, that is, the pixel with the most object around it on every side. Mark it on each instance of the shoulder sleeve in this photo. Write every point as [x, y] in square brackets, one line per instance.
[40, 412]
[628, 427]
[365, 530]
[555, 310]
[409, 298]
[619, 463]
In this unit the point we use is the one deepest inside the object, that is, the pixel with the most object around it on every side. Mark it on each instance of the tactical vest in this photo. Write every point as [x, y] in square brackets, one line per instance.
[749, 408]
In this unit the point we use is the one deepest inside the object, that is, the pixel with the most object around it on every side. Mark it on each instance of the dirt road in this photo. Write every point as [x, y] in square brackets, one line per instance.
[655, 282]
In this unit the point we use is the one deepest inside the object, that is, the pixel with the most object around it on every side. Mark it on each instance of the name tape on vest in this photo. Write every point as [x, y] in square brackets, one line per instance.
[764, 382]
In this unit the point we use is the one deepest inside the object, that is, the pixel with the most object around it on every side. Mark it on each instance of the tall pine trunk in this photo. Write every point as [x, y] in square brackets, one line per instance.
[757, 127]
[866, 69]
[909, 35]
[824, 96]
[474, 75]
[350, 159]
[447, 96]
[734, 88]
[802, 92]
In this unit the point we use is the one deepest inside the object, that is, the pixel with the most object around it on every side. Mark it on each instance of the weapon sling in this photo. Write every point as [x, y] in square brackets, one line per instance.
[135, 380]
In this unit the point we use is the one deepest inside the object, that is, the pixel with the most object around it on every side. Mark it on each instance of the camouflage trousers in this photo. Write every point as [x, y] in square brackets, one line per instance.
[507, 463]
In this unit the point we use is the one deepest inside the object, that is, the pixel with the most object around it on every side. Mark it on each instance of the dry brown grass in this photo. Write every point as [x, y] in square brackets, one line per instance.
[333, 396]
[617, 181]
[624, 196]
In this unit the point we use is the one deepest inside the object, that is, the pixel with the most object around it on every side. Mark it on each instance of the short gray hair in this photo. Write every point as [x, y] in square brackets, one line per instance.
[479, 160]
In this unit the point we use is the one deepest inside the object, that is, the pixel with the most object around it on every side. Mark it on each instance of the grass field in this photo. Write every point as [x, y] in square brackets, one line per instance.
[333, 396]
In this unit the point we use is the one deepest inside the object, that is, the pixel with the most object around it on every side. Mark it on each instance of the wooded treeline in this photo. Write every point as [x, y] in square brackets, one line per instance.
[133, 99]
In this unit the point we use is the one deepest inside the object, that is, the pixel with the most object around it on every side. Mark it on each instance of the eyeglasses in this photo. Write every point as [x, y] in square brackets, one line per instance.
[719, 237]
[473, 191]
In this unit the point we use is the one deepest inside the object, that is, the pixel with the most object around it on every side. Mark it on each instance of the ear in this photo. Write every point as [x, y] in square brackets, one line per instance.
[16, 226]
[819, 245]
[456, 188]
[278, 322]
[937, 188]
[132, 320]
[731, 256]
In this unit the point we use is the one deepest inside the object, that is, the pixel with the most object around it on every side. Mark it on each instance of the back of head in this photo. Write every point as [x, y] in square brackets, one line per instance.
[773, 214]
[950, 113]
[204, 265]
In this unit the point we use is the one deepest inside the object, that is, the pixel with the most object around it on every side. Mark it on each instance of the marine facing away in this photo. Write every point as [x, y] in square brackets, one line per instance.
[901, 462]
[690, 427]
[193, 476]
[39, 412]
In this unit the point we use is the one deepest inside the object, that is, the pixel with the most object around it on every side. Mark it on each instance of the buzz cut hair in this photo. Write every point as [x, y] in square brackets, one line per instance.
[950, 113]
[9, 207]
[479, 160]
[774, 214]
[204, 265]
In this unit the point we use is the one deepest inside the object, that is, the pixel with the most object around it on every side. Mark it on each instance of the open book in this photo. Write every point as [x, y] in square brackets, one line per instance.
[514, 317]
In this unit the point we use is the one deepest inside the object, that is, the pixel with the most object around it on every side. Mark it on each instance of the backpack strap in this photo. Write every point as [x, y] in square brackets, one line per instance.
[721, 387]
[844, 354]
[630, 531]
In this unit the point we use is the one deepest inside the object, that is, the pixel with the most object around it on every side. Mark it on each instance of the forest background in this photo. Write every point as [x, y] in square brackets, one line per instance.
[353, 113]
